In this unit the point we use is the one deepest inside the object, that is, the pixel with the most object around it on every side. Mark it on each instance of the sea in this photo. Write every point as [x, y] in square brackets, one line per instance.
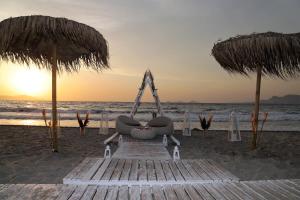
[29, 113]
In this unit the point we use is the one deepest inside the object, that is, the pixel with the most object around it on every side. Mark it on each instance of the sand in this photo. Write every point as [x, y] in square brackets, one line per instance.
[278, 156]
[26, 157]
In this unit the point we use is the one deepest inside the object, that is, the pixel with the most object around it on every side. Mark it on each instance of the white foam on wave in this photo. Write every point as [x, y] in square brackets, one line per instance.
[24, 110]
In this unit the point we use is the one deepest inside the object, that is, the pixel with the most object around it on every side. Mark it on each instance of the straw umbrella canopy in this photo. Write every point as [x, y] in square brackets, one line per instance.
[270, 54]
[57, 44]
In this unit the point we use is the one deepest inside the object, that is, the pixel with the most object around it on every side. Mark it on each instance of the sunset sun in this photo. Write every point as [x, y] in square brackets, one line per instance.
[30, 82]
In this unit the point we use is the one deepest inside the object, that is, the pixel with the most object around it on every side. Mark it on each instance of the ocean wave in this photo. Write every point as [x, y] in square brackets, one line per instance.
[144, 117]
[220, 112]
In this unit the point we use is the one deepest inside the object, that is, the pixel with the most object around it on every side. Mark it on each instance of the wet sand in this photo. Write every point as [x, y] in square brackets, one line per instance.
[26, 157]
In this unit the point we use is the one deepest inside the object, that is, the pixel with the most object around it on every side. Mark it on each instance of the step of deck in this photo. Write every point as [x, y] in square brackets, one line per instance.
[114, 171]
[268, 189]
[142, 150]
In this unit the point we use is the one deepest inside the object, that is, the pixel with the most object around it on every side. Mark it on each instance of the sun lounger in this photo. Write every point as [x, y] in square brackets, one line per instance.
[125, 124]
[162, 125]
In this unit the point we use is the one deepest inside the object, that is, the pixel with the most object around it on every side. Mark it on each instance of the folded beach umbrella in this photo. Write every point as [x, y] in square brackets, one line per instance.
[57, 44]
[270, 54]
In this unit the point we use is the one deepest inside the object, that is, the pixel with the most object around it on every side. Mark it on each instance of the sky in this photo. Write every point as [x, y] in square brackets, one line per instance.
[172, 38]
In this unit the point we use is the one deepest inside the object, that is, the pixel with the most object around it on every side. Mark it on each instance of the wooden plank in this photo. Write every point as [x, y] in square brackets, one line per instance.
[47, 191]
[3, 187]
[270, 188]
[89, 193]
[74, 173]
[258, 190]
[101, 170]
[101, 193]
[167, 171]
[126, 170]
[118, 170]
[35, 192]
[78, 193]
[283, 191]
[6, 190]
[110, 169]
[151, 170]
[222, 190]
[288, 188]
[54, 194]
[86, 169]
[292, 183]
[191, 170]
[66, 192]
[264, 190]
[134, 171]
[180, 192]
[237, 191]
[159, 171]
[112, 193]
[202, 174]
[217, 171]
[192, 192]
[24, 193]
[296, 181]
[175, 171]
[108, 140]
[28, 191]
[225, 171]
[170, 193]
[207, 170]
[93, 170]
[146, 193]
[3, 190]
[158, 193]
[248, 190]
[203, 192]
[134, 193]
[123, 193]
[9, 191]
[142, 151]
[213, 192]
[184, 172]
[142, 171]
[13, 191]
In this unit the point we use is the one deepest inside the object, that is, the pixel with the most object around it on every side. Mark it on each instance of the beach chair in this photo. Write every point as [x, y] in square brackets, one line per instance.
[161, 125]
[125, 124]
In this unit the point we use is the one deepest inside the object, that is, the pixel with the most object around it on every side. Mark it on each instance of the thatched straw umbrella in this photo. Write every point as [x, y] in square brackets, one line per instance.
[271, 54]
[56, 44]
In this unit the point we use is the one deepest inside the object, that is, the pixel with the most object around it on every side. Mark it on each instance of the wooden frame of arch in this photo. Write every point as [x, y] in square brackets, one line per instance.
[147, 80]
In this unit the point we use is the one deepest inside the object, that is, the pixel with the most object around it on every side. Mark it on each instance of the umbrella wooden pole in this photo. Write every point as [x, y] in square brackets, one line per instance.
[54, 103]
[256, 109]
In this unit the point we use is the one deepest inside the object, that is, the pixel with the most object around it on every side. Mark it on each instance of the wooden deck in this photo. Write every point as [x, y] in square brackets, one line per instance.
[99, 171]
[145, 171]
[275, 189]
[142, 151]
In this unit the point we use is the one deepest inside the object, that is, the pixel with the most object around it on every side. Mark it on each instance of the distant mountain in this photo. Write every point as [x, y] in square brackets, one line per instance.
[18, 97]
[288, 99]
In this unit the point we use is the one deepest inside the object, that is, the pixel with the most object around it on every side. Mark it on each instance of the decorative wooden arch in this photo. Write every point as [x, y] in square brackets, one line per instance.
[147, 80]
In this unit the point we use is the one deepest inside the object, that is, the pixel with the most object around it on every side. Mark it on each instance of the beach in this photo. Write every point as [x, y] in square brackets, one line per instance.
[26, 157]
